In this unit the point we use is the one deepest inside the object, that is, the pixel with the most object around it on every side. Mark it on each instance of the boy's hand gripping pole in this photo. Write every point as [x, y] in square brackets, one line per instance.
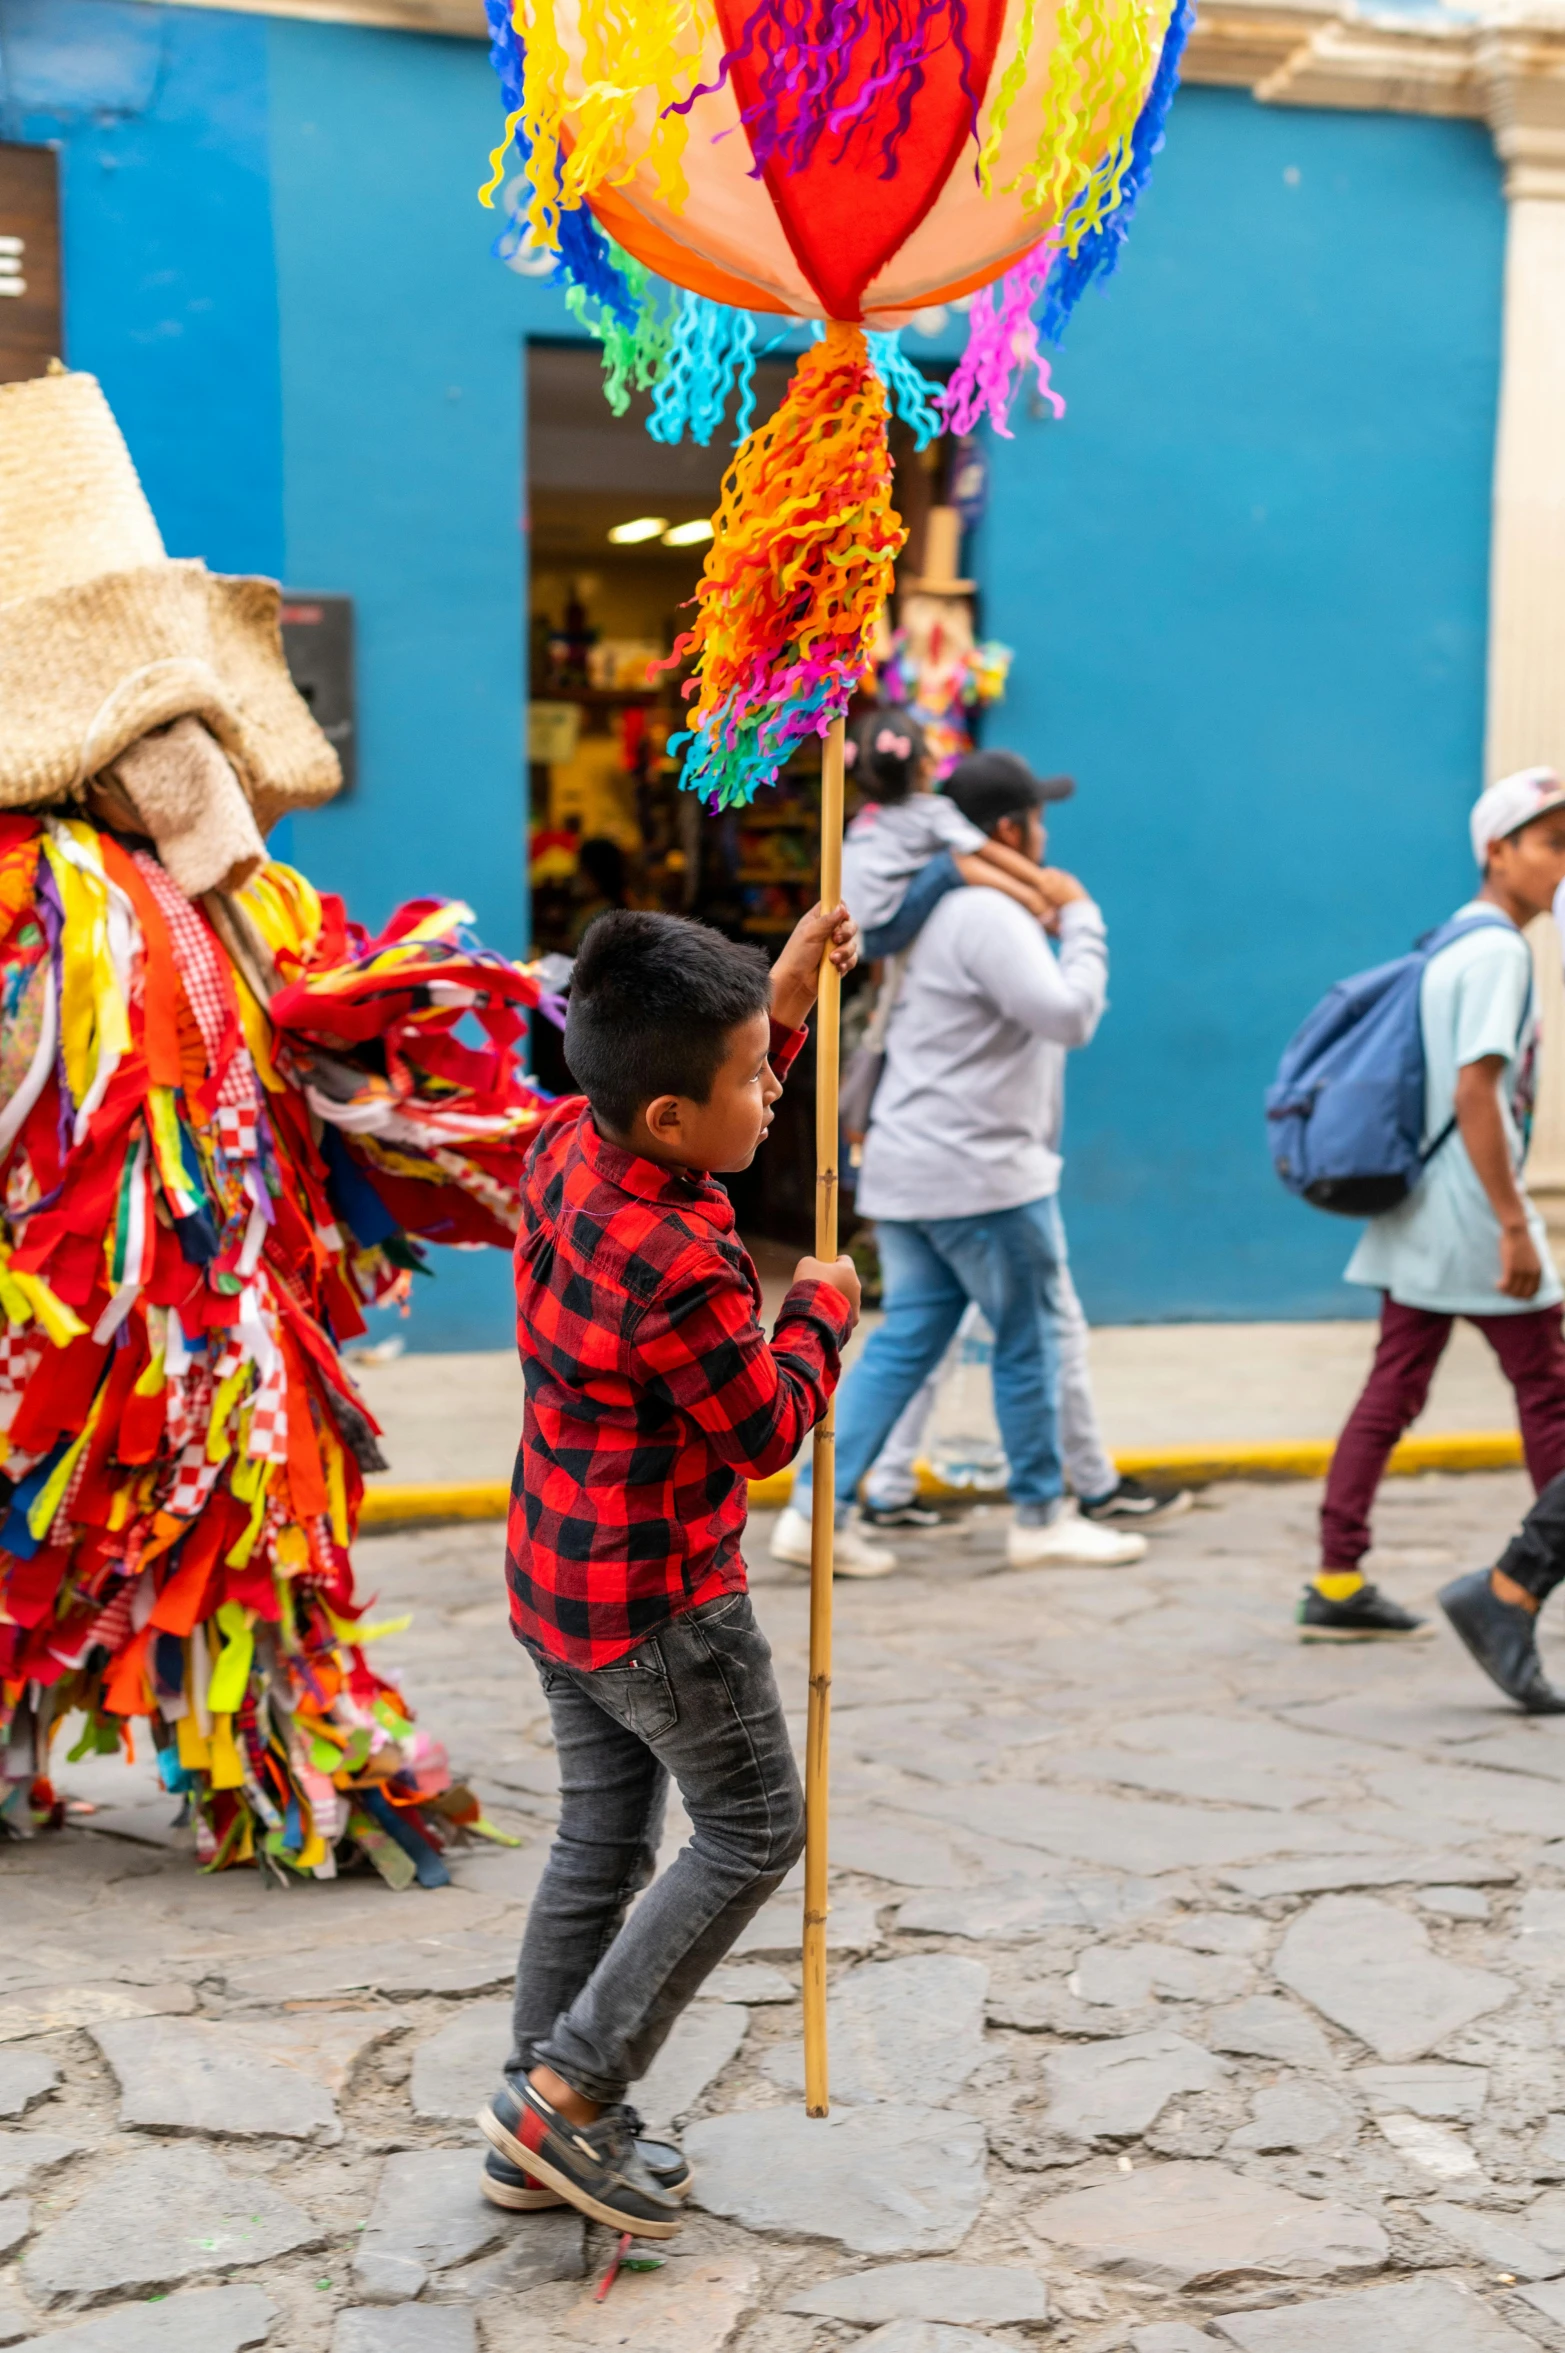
[818, 1736]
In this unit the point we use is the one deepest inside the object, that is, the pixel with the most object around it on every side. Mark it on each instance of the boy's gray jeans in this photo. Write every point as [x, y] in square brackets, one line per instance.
[596, 1994]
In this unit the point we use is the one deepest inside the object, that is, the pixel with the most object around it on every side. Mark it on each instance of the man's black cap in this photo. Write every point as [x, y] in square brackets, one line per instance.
[987, 786]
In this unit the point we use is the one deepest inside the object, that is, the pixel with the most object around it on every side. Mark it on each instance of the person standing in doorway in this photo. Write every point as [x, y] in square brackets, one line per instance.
[961, 1181]
[1467, 1241]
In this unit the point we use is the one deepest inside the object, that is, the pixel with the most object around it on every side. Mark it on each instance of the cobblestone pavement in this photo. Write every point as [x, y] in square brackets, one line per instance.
[1191, 1990]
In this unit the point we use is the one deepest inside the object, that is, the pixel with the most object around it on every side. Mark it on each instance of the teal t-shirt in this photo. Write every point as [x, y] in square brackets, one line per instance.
[1440, 1248]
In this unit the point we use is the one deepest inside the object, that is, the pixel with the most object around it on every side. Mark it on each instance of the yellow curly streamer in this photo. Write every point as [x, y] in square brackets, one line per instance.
[1104, 56]
[629, 48]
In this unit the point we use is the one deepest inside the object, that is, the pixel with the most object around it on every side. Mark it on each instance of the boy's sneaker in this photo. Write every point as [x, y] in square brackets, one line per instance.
[1132, 1505]
[508, 2185]
[1503, 1638]
[1071, 1542]
[595, 2167]
[901, 1515]
[1366, 1616]
[852, 1553]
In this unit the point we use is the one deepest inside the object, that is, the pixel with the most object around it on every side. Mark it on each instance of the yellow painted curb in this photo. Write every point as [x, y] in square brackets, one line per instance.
[1193, 1466]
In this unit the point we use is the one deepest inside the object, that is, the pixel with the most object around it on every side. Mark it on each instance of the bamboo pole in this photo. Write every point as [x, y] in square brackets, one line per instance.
[818, 1733]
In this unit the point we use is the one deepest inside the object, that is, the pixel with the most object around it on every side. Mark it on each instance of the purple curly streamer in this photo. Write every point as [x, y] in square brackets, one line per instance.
[1002, 338]
[803, 52]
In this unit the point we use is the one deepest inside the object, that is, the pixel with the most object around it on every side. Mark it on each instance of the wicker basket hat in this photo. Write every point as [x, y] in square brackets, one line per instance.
[103, 637]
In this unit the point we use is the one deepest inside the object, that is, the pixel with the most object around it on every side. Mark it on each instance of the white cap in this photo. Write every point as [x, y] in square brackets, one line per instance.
[1512, 803]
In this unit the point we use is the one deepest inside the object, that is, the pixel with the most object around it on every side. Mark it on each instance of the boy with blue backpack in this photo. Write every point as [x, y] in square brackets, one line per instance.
[1425, 1124]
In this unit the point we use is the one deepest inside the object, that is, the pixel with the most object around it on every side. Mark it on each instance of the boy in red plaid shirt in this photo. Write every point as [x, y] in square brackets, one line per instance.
[653, 1396]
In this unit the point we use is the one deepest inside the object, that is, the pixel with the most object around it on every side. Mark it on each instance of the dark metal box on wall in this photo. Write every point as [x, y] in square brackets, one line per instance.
[30, 329]
[318, 643]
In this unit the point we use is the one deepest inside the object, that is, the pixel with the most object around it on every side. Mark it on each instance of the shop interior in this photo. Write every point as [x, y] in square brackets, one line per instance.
[619, 524]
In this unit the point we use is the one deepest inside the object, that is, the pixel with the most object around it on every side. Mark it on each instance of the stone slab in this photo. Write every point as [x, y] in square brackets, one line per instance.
[1170, 2336]
[25, 2077]
[693, 2305]
[1408, 2316]
[928, 2336]
[1135, 1834]
[883, 2180]
[206, 2320]
[428, 2213]
[892, 1847]
[960, 2293]
[1371, 1969]
[16, 2220]
[1190, 2224]
[1021, 1907]
[1123, 1977]
[456, 2069]
[1455, 1903]
[410, 2328]
[52, 2009]
[548, 2245]
[1267, 2027]
[1500, 2241]
[462, 1963]
[197, 2075]
[1294, 2116]
[1330, 1874]
[898, 2030]
[751, 1981]
[1434, 2148]
[1444, 2091]
[1548, 2298]
[704, 2038]
[1513, 1804]
[1115, 2089]
[26, 2156]
[159, 2216]
[778, 1927]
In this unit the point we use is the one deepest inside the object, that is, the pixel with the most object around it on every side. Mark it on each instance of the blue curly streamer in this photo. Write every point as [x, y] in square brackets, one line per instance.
[728, 765]
[713, 352]
[912, 393]
[1098, 254]
[584, 257]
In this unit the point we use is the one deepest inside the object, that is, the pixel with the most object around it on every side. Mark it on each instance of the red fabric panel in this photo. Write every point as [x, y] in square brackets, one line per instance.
[842, 219]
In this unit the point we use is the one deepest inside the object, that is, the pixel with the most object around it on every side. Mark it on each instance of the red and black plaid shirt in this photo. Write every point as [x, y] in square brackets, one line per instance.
[653, 1394]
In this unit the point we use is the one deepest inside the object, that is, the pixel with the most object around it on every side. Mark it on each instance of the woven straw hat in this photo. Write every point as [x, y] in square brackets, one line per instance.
[103, 637]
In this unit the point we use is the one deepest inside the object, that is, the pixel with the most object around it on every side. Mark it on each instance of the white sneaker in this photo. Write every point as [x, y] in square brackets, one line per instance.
[1071, 1541]
[852, 1553]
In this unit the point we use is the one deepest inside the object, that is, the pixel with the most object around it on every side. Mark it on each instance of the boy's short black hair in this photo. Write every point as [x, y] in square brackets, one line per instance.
[653, 1000]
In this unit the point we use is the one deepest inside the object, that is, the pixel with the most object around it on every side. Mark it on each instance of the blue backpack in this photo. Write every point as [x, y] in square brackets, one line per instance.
[1345, 1114]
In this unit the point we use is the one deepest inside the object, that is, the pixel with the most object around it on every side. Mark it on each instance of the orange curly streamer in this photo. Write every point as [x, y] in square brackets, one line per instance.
[799, 567]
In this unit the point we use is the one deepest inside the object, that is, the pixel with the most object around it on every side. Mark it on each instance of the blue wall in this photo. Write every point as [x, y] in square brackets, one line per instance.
[1245, 579]
[1247, 582]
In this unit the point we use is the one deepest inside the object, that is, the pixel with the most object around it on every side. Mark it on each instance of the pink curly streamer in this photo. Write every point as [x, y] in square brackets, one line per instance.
[1001, 338]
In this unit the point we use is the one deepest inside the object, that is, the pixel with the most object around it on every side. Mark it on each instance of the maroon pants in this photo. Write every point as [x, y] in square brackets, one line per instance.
[1531, 1350]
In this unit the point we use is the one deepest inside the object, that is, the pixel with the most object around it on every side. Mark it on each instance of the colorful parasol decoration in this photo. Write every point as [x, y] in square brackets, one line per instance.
[228, 1125]
[694, 163]
[851, 163]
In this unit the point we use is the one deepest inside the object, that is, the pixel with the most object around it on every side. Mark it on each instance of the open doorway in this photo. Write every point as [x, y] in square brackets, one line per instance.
[619, 525]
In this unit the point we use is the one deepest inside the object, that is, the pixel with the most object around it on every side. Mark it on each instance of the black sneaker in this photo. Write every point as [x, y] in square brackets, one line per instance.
[900, 1515]
[594, 2167]
[1133, 1505]
[1366, 1616]
[505, 2184]
[1503, 1638]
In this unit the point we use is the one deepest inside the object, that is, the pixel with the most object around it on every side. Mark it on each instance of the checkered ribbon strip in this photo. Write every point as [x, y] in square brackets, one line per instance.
[194, 1480]
[20, 1352]
[201, 976]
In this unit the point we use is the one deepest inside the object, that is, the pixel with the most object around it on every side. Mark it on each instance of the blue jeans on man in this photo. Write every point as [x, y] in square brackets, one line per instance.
[1008, 1260]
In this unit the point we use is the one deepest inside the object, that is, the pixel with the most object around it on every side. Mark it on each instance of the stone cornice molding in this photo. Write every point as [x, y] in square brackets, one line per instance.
[1507, 70]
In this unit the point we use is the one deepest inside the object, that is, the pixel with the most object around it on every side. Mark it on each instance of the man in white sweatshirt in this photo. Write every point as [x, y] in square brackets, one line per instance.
[960, 1177]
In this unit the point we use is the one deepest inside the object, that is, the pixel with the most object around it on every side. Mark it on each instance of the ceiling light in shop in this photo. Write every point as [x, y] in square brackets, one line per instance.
[688, 534]
[644, 527]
